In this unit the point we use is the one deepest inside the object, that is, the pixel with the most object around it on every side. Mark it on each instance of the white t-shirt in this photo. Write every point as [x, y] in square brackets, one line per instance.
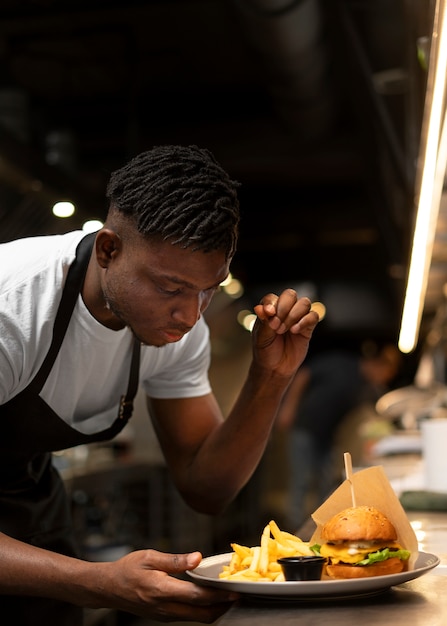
[91, 371]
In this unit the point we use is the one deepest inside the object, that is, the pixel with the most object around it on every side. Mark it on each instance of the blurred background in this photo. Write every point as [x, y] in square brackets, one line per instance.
[315, 106]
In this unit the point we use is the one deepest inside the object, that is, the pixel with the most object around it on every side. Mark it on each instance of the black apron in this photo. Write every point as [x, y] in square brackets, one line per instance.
[33, 503]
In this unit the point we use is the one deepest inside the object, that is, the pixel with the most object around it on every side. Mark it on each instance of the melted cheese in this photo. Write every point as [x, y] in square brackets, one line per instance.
[350, 552]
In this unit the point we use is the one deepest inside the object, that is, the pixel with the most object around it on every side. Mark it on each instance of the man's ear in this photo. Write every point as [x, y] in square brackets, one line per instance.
[108, 245]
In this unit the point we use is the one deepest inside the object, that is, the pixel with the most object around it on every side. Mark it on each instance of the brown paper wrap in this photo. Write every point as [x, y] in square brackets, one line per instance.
[371, 487]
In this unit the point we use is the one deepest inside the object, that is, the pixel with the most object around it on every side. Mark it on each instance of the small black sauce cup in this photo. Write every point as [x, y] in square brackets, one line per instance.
[302, 567]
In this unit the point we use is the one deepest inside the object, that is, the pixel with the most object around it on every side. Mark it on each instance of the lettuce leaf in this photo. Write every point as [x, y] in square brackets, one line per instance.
[383, 555]
[316, 549]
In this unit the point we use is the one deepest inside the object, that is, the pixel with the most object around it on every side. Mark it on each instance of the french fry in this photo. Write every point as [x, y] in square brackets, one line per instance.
[253, 567]
[276, 532]
[259, 563]
[242, 551]
[264, 553]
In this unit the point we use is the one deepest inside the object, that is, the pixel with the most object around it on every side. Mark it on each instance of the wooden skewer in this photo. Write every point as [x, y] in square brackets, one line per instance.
[348, 470]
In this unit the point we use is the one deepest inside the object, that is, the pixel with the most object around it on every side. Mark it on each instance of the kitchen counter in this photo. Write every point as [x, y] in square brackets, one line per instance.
[421, 602]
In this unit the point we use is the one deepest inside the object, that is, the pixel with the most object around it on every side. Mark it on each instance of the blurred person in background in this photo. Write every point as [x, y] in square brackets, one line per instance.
[327, 389]
[86, 319]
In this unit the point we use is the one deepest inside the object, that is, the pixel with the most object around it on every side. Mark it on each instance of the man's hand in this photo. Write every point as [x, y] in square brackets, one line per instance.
[282, 331]
[146, 583]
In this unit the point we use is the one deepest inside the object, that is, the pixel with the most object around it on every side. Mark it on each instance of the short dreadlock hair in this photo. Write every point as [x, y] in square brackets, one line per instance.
[180, 193]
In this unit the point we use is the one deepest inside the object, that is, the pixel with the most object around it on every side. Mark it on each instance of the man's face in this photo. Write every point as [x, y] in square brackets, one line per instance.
[160, 290]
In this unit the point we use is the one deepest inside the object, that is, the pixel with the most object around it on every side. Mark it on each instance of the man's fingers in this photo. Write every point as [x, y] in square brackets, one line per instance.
[306, 325]
[283, 312]
[171, 563]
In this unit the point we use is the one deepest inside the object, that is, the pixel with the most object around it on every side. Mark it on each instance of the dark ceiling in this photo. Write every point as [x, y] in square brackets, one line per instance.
[315, 107]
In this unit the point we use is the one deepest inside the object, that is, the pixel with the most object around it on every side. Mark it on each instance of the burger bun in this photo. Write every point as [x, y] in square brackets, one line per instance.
[359, 523]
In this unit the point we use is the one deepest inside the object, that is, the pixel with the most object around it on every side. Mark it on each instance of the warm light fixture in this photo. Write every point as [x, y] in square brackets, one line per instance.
[433, 155]
[246, 319]
[232, 287]
[320, 310]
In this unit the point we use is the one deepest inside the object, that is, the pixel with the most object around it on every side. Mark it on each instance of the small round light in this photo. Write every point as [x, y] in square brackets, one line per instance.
[90, 226]
[63, 209]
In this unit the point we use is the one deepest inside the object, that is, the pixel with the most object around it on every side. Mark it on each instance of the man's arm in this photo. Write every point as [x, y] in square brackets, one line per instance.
[143, 582]
[212, 458]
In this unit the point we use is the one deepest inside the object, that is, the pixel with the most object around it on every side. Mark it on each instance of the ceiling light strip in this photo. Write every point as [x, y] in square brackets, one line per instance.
[433, 159]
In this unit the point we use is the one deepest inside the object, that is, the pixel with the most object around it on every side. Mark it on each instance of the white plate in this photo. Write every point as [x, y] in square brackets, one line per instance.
[207, 573]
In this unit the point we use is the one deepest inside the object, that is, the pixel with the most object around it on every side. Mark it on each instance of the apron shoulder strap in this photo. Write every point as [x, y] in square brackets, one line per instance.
[126, 403]
[72, 288]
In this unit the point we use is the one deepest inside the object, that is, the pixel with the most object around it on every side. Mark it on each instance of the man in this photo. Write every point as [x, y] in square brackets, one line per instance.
[77, 314]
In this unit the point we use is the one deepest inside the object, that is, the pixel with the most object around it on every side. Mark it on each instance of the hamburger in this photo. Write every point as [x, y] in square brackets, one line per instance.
[359, 542]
